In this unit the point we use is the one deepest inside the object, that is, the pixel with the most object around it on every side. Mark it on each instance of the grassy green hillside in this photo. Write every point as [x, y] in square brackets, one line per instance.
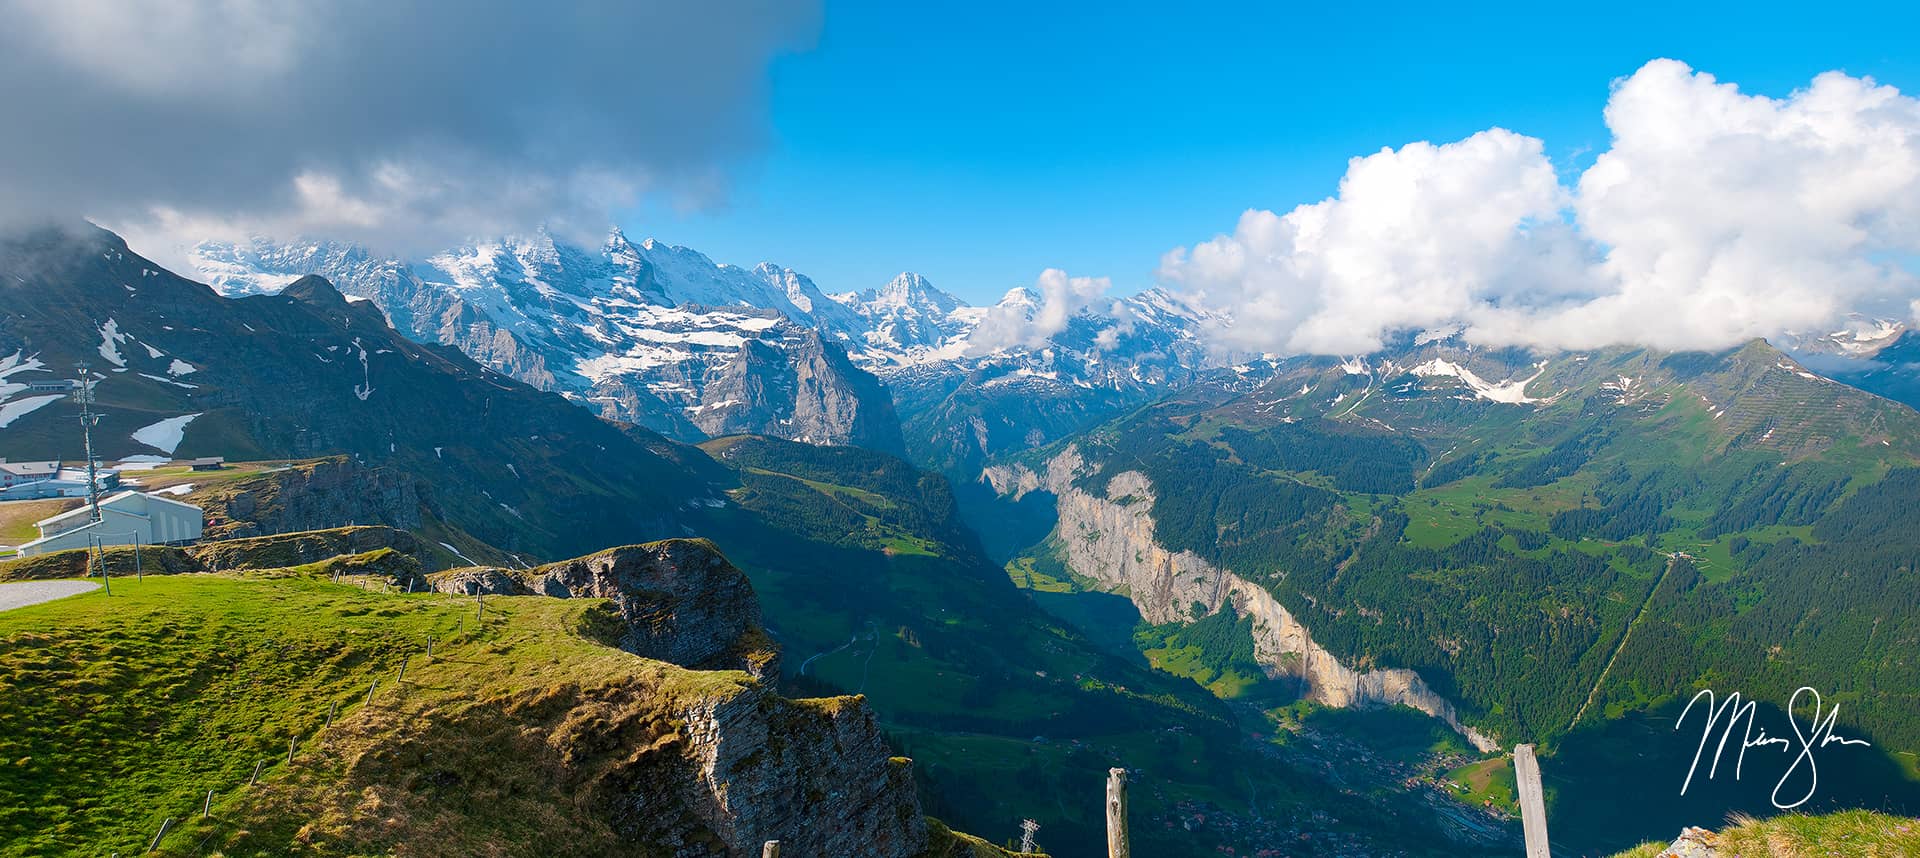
[124, 711]
[1854, 833]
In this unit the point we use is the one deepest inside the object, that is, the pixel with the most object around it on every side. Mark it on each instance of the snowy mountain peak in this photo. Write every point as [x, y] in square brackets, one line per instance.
[912, 290]
[1020, 297]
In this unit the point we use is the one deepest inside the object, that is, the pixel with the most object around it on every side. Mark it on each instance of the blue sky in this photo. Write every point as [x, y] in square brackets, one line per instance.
[980, 145]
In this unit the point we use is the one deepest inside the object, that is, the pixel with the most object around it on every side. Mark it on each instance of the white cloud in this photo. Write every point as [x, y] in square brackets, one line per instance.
[1714, 217]
[410, 122]
[1030, 317]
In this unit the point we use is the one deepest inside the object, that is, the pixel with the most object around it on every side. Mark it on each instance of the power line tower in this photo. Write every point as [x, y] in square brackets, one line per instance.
[87, 421]
[1028, 828]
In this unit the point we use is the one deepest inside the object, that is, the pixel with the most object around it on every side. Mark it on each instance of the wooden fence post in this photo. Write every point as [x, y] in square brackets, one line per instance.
[164, 828]
[206, 810]
[1117, 846]
[770, 850]
[1533, 805]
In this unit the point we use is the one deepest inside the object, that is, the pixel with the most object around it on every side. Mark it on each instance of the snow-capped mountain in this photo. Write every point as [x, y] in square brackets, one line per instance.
[649, 333]
[665, 337]
[1858, 337]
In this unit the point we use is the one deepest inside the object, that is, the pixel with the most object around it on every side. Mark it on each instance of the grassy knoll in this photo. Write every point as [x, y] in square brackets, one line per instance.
[1859, 833]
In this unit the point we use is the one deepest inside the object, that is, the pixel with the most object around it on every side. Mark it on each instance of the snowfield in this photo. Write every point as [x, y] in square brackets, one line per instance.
[166, 434]
[18, 408]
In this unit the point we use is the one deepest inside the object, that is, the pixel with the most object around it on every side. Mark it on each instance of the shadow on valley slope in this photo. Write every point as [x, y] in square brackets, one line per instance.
[1617, 783]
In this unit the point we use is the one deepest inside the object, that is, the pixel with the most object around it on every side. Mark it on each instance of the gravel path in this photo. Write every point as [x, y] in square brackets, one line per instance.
[24, 593]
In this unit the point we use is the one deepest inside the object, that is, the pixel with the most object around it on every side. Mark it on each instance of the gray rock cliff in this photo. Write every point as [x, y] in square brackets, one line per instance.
[1114, 544]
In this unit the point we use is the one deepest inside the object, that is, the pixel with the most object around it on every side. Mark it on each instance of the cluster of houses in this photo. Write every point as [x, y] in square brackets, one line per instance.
[126, 516]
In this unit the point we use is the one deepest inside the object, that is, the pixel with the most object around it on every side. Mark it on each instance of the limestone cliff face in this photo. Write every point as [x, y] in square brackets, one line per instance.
[1114, 544]
[679, 600]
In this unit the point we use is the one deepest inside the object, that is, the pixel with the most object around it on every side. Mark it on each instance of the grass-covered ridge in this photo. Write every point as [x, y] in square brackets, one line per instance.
[1856, 833]
[125, 710]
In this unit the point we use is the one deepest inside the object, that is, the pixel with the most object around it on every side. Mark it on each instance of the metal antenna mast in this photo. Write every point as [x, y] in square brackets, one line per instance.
[87, 420]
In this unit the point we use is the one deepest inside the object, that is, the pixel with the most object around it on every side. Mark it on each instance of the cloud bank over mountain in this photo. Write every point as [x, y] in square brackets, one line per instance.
[417, 122]
[1715, 216]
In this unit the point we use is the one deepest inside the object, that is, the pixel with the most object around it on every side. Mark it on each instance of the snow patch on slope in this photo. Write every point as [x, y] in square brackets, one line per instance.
[18, 408]
[165, 435]
[1511, 391]
[110, 340]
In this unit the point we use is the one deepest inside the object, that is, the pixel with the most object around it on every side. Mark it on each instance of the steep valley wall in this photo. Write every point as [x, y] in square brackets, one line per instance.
[1113, 543]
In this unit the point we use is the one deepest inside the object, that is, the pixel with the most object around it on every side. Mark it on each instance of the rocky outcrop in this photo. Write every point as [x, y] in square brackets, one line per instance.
[1113, 543]
[816, 775]
[380, 551]
[679, 599]
[311, 496]
[297, 549]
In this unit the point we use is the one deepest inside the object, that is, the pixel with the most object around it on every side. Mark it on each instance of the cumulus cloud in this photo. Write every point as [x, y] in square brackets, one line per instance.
[1030, 317]
[1715, 216]
[407, 121]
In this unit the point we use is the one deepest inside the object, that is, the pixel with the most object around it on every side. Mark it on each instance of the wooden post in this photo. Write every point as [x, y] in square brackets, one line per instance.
[770, 850]
[1533, 806]
[1117, 814]
[207, 809]
[291, 744]
[335, 707]
[256, 773]
[429, 646]
[164, 828]
[403, 670]
[372, 688]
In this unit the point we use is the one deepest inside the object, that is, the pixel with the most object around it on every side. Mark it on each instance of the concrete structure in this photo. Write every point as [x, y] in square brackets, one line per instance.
[125, 519]
[64, 483]
[20, 473]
